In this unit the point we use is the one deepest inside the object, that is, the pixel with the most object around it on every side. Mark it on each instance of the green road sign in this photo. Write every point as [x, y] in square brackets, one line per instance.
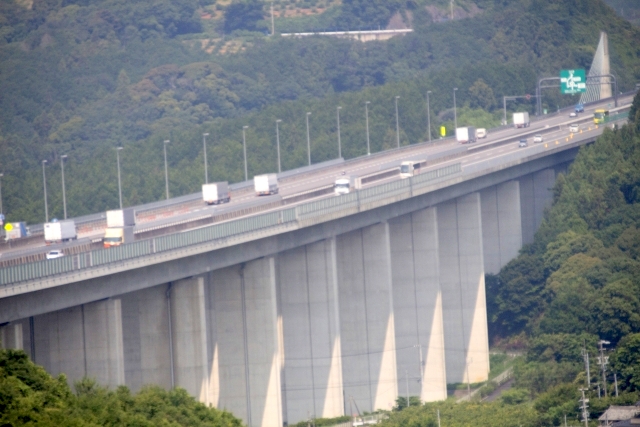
[572, 82]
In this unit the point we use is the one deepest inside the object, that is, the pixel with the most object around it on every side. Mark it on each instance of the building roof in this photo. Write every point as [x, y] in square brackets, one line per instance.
[633, 422]
[619, 413]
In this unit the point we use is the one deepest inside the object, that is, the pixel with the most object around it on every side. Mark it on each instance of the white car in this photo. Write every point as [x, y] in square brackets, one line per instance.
[522, 143]
[574, 128]
[537, 138]
[55, 253]
[573, 114]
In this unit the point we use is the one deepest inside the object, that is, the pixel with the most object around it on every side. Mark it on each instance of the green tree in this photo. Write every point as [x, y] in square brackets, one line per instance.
[625, 361]
[243, 15]
[481, 95]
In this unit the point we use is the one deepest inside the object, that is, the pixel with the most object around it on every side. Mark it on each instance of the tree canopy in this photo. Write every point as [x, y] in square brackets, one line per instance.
[30, 396]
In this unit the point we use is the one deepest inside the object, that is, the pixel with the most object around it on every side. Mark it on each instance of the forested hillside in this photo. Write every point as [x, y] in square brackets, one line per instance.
[82, 77]
[30, 396]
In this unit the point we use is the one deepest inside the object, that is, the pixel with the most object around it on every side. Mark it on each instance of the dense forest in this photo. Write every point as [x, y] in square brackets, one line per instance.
[80, 78]
[30, 396]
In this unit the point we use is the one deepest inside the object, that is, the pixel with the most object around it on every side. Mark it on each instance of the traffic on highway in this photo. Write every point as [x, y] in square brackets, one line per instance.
[221, 203]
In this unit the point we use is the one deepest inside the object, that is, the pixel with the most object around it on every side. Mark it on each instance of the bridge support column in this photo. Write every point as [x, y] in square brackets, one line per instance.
[367, 328]
[146, 332]
[536, 194]
[417, 303]
[82, 341]
[59, 343]
[501, 225]
[463, 292]
[104, 350]
[312, 374]
[189, 330]
[248, 334]
[15, 336]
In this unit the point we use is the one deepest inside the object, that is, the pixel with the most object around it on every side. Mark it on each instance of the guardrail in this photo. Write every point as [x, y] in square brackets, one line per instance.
[304, 214]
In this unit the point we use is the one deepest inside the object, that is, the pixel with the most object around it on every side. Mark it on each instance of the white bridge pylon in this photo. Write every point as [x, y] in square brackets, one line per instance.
[600, 66]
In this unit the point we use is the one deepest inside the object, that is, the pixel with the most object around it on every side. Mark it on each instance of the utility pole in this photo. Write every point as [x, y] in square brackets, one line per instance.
[602, 361]
[406, 378]
[438, 411]
[615, 380]
[585, 355]
[469, 379]
[584, 406]
[272, 24]
[420, 368]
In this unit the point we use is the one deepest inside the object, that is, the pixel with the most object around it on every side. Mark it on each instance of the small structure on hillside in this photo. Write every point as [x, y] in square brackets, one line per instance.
[621, 416]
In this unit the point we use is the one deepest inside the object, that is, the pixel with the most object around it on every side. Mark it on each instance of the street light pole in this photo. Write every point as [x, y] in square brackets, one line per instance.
[366, 115]
[308, 139]
[204, 151]
[166, 169]
[44, 181]
[119, 182]
[278, 144]
[64, 194]
[397, 124]
[455, 112]
[428, 117]
[244, 150]
[339, 142]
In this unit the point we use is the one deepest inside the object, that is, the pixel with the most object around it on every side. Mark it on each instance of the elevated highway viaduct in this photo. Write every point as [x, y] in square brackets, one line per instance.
[294, 311]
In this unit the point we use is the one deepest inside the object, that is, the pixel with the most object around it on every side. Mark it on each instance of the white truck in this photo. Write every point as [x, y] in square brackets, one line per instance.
[15, 230]
[345, 184]
[115, 236]
[481, 133]
[466, 135]
[521, 120]
[266, 184]
[60, 231]
[215, 193]
[121, 218]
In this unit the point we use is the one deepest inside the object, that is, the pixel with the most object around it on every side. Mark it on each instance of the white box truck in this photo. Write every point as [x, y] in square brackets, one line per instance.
[215, 193]
[346, 184]
[266, 184]
[60, 231]
[121, 218]
[115, 236]
[521, 120]
[466, 135]
[15, 230]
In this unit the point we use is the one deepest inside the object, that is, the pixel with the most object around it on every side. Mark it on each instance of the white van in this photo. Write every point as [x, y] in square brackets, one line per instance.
[481, 133]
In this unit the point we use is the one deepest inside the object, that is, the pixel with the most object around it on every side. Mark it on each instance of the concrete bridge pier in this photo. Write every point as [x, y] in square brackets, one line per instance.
[501, 225]
[417, 302]
[308, 299]
[16, 336]
[463, 292]
[246, 333]
[81, 341]
[366, 317]
[536, 195]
